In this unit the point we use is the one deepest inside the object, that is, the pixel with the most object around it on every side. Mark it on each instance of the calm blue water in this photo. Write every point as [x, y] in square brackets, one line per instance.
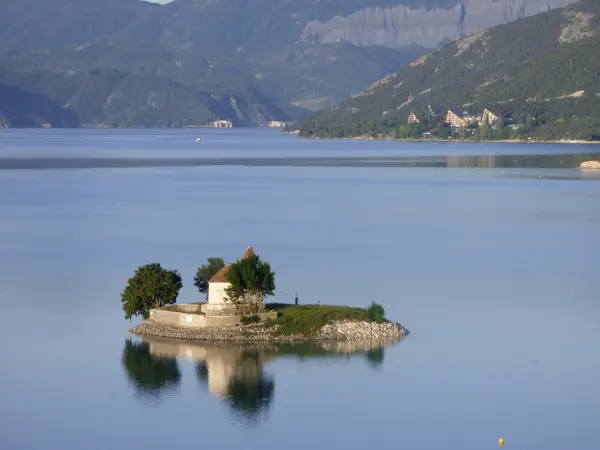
[494, 271]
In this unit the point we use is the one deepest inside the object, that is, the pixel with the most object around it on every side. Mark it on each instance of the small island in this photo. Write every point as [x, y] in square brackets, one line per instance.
[235, 309]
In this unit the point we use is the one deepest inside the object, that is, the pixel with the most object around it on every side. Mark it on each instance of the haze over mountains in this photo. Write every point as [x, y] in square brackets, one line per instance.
[132, 63]
[543, 69]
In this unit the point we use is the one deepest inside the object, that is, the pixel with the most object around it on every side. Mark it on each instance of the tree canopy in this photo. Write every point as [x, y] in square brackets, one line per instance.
[250, 278]
[206, 272]
[376, 313]
[151, 286]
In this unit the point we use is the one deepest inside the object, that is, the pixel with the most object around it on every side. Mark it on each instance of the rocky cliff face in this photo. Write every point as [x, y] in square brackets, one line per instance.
[543, 67]
[400, 25]
[277, 59]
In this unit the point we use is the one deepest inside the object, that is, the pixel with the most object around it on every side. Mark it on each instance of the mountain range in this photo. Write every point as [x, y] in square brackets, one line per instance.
[19, 108]
[543, 70]
[133, 63]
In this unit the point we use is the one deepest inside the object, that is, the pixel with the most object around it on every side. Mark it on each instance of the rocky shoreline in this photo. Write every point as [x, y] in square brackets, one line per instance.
[336, 331]
[590, 165]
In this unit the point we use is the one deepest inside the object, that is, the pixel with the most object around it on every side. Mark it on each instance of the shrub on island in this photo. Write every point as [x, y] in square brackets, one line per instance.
[308, 319]
[247, 320]
[376, 313]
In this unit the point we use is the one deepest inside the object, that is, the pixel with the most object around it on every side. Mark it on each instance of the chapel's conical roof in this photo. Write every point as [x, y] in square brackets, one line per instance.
[249, 252]
[221, 275]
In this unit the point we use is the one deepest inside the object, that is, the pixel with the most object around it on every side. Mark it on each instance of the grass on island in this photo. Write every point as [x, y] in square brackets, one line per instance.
[308, 319]
[302, 319]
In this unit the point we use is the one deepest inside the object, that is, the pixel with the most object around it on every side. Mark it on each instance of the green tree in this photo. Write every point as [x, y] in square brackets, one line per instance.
[376, 313]
[529, 123]
[251, 281]
[206, 272]
[150, 287]
[442, 131]
[500, 123]
[483, 131]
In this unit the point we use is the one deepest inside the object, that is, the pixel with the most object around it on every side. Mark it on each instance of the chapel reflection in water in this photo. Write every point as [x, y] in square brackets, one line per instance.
[232, 372]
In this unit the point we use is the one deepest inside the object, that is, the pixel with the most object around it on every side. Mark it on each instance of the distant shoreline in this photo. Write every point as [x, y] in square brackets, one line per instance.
[464, 141]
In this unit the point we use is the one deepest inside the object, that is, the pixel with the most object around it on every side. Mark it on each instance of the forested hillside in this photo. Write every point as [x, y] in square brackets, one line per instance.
[247, 61]
[115, 98]
[541, 73]
[19, 108]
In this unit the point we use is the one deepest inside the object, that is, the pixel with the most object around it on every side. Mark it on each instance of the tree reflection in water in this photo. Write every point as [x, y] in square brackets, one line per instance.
[233, 372]
[251, 397]
[238, 377]
[149, 374]
[376, 356]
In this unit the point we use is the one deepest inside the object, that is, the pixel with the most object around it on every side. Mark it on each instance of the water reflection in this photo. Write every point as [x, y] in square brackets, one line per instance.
[149, 374]
[232, 372]
[564, 161]
[548, 161]
[375, 357]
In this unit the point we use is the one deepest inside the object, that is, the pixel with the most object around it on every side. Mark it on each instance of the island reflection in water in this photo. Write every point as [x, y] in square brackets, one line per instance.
[530, 160]
[232, 372]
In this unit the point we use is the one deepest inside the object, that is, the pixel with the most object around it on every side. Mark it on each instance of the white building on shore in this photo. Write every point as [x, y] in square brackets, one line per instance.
[485, 118]
[275, 124]
[222, 124]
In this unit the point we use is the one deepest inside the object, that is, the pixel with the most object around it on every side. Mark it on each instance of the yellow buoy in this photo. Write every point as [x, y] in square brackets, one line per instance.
[500, 442]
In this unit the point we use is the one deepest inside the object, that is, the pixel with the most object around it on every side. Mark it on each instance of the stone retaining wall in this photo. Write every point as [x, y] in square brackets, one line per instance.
[195, 320]
[189, 308]
[218, 309]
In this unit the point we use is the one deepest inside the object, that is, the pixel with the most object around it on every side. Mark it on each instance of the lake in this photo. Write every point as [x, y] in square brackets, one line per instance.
[488, 253]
